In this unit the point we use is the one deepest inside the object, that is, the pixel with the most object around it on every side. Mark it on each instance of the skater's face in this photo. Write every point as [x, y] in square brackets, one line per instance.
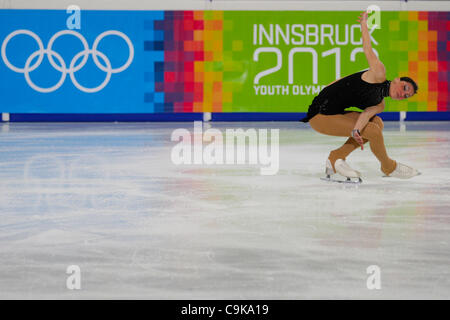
[400, 90]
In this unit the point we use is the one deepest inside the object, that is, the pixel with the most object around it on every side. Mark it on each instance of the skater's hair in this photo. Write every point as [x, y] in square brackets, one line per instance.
[413, 83]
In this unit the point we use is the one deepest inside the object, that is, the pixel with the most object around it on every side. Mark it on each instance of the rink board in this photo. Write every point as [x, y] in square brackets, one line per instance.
[254, 64]
[218, 116]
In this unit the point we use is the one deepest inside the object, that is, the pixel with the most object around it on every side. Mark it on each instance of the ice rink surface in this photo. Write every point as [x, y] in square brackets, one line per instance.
[107, 197]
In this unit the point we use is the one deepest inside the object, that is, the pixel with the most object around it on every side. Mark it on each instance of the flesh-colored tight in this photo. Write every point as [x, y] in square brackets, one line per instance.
[341, 125]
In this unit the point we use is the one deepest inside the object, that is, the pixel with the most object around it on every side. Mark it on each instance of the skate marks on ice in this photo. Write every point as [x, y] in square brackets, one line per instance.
[347, 181]
[108, 199]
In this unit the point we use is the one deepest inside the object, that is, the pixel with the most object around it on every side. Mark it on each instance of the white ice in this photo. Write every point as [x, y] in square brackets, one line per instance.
[106, 197]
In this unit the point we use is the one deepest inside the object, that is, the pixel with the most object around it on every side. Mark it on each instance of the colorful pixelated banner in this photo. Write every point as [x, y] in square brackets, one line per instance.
[209, 61]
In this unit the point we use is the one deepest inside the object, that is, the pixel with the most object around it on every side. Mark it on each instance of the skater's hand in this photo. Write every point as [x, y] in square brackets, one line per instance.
[357, 136]
[363, 18]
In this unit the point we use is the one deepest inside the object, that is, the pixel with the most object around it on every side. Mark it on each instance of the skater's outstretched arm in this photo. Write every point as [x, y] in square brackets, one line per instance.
[377, 71]
[362, 121]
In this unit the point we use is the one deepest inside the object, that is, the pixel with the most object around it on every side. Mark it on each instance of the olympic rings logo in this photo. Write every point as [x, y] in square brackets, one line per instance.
[62, 67]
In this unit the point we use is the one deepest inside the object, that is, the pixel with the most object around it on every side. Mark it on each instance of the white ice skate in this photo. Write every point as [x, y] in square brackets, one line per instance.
[342, 167]
[403, 172]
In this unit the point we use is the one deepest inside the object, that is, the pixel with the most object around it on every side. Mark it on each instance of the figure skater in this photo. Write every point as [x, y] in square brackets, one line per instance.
[365, 90]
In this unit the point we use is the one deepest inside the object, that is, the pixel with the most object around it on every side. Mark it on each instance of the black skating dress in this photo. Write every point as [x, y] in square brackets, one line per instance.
[351, 91]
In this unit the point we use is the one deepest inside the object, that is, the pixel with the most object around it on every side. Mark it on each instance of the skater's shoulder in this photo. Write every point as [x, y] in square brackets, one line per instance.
[374, 76]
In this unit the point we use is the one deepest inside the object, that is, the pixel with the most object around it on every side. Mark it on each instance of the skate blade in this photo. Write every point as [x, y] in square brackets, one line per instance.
[418, 174]
[348, 181]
